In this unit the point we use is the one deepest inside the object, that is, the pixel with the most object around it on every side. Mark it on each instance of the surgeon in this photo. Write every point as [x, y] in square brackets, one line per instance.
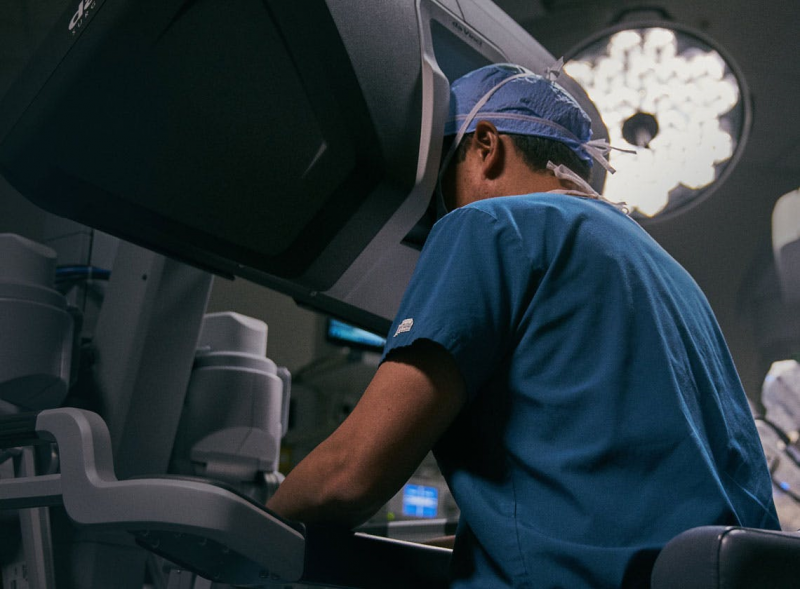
[568, 374]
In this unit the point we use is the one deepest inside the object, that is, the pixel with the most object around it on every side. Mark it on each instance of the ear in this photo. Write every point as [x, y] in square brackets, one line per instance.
[490, 149]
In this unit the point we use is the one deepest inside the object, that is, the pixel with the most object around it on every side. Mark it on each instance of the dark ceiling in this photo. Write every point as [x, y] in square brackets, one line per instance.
[725, 241]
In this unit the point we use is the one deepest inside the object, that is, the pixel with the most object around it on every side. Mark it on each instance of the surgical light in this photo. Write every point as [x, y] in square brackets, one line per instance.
[676, 101]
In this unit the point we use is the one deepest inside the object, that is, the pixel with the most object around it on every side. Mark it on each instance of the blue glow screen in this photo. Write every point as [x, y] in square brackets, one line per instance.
[420, 501]
[344, 333]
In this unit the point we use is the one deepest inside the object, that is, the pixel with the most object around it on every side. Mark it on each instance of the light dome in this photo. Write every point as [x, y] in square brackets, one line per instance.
[675, 100]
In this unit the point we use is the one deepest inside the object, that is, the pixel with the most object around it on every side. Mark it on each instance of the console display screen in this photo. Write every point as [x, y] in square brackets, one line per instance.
[420, 501]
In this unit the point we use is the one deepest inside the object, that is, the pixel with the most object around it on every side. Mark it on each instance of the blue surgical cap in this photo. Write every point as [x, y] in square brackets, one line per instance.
[527, 105]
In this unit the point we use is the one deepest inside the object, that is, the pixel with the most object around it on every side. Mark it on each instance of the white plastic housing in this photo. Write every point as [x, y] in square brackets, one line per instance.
[786, 244]
[231, 424]
[35, 327]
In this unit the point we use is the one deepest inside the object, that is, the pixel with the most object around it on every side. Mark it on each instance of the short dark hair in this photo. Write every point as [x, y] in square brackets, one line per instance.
[536, 152]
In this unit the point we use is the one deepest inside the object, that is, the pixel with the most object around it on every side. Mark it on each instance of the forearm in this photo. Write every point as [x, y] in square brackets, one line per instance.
[413, 398]
[323, 488]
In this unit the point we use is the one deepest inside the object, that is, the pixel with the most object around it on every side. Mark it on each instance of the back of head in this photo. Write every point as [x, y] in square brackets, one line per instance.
[545, 122]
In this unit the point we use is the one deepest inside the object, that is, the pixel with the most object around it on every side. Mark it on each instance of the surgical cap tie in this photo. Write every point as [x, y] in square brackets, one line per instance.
[552, 72]
[598, 148]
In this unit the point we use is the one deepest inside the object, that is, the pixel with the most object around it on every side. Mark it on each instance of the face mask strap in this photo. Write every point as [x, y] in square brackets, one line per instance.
[598, 148]
[562, 172]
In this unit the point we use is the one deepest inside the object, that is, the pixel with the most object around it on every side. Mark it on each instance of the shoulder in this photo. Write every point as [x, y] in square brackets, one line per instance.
[540, 224]
[495, 212]
[532, 213]
[504, 207]
[502, 204]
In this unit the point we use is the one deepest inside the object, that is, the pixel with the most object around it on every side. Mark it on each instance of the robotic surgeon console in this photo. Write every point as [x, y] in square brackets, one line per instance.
[295, 144]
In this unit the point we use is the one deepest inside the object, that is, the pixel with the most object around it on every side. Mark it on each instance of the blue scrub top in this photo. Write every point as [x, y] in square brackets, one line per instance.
[605, 415]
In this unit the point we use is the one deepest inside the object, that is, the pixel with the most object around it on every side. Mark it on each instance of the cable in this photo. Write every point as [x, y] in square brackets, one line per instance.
[786, 488]
[81, 272]
[787, 450]
[9, 454]
[788, 440]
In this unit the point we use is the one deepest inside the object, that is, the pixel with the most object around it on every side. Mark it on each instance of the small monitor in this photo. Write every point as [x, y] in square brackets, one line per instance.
[420, 501]
[341, 333]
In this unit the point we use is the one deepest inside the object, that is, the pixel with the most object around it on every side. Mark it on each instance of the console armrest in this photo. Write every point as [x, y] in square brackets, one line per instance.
[724, 557]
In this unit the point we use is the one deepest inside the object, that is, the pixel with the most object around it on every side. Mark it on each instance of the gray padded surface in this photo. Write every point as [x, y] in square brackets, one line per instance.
[723, 557]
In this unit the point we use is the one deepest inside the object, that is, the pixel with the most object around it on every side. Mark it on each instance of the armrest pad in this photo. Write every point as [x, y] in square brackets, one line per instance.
[723, 557]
